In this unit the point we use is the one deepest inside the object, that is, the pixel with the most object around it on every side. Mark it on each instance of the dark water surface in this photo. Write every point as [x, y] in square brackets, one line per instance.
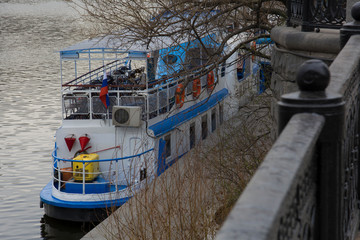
[30, 34]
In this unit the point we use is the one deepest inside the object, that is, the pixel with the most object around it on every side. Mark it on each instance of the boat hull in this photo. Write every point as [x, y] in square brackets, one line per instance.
[76, 214]
[95, 211]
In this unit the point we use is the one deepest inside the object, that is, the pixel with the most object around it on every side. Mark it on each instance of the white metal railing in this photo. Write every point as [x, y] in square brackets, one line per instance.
[61, 169]
[95, 74]
[81, 95]
[84, 102]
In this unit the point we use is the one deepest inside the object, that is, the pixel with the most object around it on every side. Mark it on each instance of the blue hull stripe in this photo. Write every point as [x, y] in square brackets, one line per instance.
[176, 120]
[47, 198]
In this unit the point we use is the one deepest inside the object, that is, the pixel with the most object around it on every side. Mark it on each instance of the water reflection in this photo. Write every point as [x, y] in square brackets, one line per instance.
[56, 229]
[30, 111]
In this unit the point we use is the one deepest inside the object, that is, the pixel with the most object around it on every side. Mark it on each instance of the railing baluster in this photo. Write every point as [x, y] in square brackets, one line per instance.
[83, 182]
[117, 176]
[59, 175]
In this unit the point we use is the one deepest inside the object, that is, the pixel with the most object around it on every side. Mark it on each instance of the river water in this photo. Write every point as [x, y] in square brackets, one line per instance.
[31, 31]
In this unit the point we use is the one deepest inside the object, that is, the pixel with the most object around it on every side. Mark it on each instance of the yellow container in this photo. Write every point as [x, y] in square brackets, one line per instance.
[91, 168]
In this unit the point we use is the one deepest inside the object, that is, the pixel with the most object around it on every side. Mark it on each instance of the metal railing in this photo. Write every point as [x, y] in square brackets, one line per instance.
[82, 101]
[94, 75]
[282, 190]
[316, 14]
[83, 177]
[308, 185]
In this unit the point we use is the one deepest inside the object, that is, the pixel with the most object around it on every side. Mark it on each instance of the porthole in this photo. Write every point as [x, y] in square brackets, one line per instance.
[170, 59]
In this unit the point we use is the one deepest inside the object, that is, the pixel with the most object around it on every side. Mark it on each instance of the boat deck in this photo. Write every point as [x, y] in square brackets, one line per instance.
[47, 198]
[99, 185]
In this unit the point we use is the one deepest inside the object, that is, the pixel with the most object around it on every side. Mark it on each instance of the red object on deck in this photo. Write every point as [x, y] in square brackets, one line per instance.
[70, 142]
[84, 140]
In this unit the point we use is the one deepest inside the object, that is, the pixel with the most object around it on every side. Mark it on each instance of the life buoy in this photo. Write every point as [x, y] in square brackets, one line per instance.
[210, 80]
[180, 95]
[196, 87]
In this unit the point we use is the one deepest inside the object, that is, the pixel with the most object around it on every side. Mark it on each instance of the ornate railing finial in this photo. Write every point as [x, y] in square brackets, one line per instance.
[351, 28]
[313, 75]
[355, 11]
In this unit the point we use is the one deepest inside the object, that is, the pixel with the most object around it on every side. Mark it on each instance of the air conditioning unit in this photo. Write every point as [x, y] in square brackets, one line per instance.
[126, 116]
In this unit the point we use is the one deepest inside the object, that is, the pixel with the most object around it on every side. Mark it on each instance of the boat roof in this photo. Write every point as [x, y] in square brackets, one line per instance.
[112, 43]
[109, 42]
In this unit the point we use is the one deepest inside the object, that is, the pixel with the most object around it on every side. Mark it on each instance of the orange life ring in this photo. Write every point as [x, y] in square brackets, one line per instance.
[180, 95]
[196, 87]
[210, 80]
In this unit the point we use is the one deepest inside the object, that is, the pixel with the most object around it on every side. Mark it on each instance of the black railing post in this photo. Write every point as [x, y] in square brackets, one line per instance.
[351, 28]
[288, 6]
[313, 78]
[306, 18]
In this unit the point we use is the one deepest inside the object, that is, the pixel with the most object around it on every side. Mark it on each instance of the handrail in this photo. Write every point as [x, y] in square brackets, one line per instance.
[269, 201]
[195, 73]
[99, 85]
[57, 177]
[100, 160]
[89, 73]
[71, 111]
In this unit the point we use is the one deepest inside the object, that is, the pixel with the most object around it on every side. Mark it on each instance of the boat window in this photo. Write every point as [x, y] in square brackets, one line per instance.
[192, 58]
[98, 108]
[170, 59]
[247, 67]
[213, 120]
[223, 69]
[204, 127]
[167, 140]
[203, 80]
[265, 76]
[206, 54]
[76, 106]
[151, 65]
[189, 88]
[243, 65]
[221, 113]
[192, 135]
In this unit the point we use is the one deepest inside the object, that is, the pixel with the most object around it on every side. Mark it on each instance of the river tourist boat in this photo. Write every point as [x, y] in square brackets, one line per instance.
[128, 114]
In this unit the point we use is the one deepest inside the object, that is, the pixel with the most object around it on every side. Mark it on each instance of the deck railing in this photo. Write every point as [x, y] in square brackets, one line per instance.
[94, 75]
[83, 102]
[316, 14]
[108, 180]
[308, 185]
